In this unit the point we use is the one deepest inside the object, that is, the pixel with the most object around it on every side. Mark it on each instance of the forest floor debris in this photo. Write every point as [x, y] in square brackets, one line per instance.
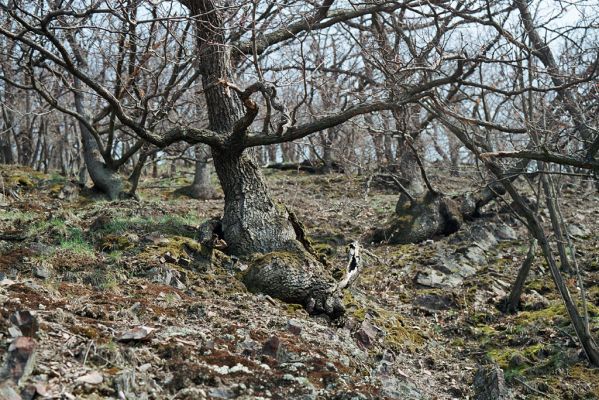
[130, 306]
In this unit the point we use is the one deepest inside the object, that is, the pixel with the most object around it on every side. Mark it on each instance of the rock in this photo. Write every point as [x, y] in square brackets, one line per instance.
[8, 392]
[476, 255]
[273, 348]
[349, 396]
[222, 392]
[579, 231]
[437, 279]
[93, 378]
[168, 276]
[294, 326]
[489, 384]
[483, 238]
[21, 358]
[366, 335]
[169, 258]
[505, 232]
[534, 301]
[433, 303]
[184, 261]
[399, 389]
[42, 271]
[26, 322]
[191, 393]
[248, 347]
[139, 333]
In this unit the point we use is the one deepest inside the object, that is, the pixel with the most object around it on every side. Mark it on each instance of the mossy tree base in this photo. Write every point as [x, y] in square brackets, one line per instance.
[420, 219]
[293, 275]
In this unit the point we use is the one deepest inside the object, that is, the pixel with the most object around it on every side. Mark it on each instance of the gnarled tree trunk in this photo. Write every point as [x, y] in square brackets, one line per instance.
[252, 222]
[106, 179]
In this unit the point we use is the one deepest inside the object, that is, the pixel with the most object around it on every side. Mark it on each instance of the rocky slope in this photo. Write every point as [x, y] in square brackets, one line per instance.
[129, 305]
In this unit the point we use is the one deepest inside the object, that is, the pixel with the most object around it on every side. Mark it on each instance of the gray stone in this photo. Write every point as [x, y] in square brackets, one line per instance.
[222, 392]
[482, 237]
[8, 392]
[399, 389]
[433, 303]
[437, 279]
[248, 347]
[506, 232]
[578, 231]
[294, 326]
[476, 255]
[367, 334]
[349, 396]
[489, 384]
[42, 271]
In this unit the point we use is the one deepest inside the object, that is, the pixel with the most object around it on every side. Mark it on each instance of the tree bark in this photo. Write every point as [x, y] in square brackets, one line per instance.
[512, 302]
[201, 187]
[582, 330]
[252, 222]
[106, 180]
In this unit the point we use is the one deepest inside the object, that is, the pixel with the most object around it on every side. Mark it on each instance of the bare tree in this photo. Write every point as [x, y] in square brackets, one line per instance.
[252, 222]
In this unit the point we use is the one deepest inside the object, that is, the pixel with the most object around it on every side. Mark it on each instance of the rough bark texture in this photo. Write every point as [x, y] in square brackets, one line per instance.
[295, 277]
[105, 179]
[512, 302]
[434, 214]
[410, 172]
[201, 187]
[252, 222]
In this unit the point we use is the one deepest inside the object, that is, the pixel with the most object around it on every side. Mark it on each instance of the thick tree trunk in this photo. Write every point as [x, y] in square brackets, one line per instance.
[201, 187]
[418, 218]
[252, 222]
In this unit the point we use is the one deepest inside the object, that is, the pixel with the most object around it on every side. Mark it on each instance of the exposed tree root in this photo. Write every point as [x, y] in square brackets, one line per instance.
[198, 192]
[293, 275]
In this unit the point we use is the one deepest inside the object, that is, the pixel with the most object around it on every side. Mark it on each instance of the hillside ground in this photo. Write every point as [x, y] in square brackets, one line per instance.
[131, 306]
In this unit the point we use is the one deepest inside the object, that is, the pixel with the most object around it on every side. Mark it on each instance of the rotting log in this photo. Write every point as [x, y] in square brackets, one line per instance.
[307, 166]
